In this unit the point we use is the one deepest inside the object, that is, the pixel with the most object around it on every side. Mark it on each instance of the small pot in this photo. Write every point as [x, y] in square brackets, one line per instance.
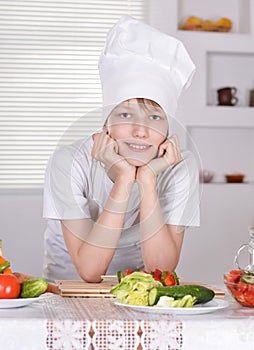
[234, 177]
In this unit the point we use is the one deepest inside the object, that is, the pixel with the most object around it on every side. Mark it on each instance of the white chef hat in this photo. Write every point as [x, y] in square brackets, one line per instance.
[139, 61]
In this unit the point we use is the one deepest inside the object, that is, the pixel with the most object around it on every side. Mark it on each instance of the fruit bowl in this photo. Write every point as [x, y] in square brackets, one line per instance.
[240, 286]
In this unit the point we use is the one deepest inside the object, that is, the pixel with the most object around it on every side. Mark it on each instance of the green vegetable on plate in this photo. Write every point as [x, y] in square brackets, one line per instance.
[202, 294]
[134, 288]
[139, 288]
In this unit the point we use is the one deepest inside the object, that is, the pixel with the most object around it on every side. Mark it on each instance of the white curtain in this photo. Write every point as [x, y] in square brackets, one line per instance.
[49, 84]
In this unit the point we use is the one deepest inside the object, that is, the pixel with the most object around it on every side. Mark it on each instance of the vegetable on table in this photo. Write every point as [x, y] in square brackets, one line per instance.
[241, 285]
[200, 293]
[140, 288]
[16, 284]
[9, 286]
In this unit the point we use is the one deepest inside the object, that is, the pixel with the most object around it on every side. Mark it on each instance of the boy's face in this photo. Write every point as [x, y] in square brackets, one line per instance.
[138, 129]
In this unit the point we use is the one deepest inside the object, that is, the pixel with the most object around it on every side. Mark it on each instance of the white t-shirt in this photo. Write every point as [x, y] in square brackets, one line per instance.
[77, 187]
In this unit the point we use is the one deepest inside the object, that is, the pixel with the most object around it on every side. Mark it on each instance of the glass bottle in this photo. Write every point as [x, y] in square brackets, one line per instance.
[249, 247]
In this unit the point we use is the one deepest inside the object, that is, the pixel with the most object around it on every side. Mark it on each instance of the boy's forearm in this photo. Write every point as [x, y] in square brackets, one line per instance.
[159, 249]
[102, 239]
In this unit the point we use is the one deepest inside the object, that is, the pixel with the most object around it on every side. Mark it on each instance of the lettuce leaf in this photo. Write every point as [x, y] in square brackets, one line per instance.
[134, 288]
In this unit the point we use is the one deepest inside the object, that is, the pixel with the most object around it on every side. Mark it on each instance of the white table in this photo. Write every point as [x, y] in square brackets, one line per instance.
[56, 322]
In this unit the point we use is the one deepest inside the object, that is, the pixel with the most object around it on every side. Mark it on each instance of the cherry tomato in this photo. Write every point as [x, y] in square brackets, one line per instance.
[9, 287]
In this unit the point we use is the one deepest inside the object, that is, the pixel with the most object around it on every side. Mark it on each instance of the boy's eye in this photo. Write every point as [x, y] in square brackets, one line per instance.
[124, 115]
[155, 117]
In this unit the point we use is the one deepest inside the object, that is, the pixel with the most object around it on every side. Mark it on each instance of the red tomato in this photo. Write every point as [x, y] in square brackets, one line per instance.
[234, 276]
[157, 275]
[169, 280]
[9, 287]
[249, 298]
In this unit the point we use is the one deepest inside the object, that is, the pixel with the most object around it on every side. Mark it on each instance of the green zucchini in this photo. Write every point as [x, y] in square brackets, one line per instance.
[202, 294]
[33, 288]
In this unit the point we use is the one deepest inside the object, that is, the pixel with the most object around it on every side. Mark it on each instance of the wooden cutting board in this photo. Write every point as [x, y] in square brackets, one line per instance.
[72, 288]
[75, 288]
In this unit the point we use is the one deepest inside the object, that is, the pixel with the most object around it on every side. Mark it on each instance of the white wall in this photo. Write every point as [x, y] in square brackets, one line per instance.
[22, 229]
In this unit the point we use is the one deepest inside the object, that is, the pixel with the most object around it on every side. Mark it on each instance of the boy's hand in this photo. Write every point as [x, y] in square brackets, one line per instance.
[105, 150]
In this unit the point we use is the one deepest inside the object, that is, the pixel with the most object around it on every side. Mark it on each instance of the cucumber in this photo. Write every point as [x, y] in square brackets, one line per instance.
[247, 279]
[202, 294]
[33, 288]
[175, 277]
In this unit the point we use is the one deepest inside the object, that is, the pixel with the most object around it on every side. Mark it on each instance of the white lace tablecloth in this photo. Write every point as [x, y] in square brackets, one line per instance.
[62, 323]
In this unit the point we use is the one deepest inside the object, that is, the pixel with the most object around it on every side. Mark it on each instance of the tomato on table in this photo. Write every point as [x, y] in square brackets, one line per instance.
[9, 286]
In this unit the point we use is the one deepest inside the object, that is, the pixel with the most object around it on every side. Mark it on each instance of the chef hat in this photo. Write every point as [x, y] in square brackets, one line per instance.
[139, 61]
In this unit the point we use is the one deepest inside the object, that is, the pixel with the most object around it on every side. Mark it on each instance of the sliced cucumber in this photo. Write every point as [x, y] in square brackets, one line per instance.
[247, 279]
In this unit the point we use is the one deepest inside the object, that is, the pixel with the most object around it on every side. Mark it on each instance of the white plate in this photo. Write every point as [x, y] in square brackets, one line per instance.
[19, 302]
[211, 306]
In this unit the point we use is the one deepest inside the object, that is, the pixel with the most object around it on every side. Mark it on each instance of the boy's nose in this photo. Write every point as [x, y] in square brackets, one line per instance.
[139, 130]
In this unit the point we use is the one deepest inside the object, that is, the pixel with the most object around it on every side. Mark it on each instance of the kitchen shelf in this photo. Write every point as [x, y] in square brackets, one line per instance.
[226, 69]
[228, 184]
[240, 12]
[221, 137]
[223, 151]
